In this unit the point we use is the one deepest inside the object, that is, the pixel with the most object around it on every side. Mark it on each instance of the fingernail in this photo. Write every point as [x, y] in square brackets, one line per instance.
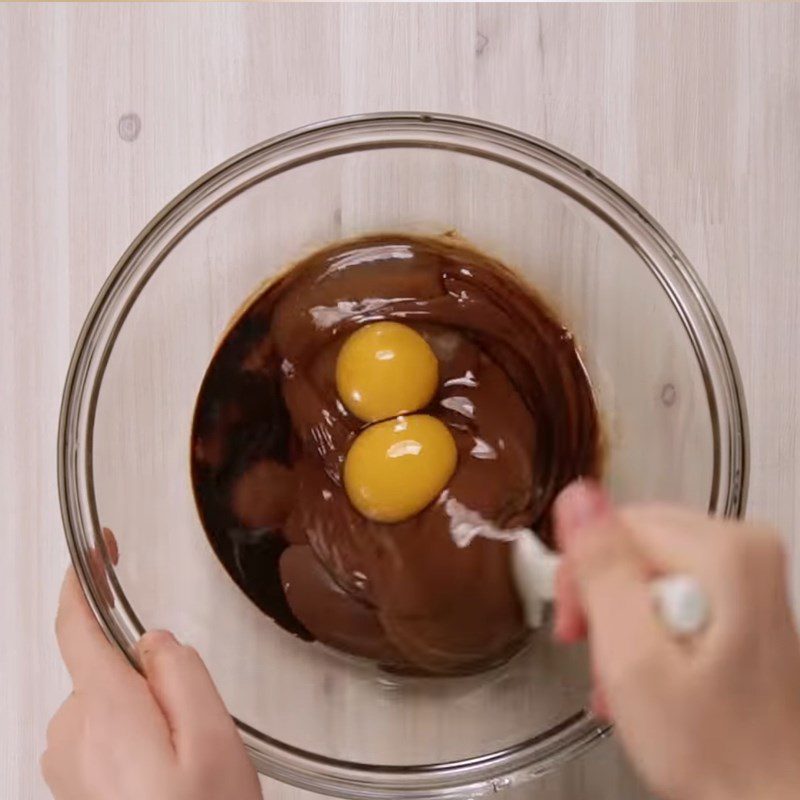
[111, 545]
[580, 504]
[599, 704]
[560, 628]
[568, 628]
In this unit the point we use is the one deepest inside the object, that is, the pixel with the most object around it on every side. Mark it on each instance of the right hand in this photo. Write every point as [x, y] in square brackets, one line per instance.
[716, 717]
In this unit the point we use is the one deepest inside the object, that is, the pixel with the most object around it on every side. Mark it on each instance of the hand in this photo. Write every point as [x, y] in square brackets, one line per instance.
[121, 736]
[716, 717]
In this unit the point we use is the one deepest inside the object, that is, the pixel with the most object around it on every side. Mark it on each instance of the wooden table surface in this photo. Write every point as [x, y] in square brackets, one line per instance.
[107, 111]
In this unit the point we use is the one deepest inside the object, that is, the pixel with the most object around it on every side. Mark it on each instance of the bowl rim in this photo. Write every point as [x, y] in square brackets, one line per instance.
[701, 320]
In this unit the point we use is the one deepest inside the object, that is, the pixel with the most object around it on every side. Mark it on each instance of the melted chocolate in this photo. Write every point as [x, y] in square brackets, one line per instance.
[270, 436]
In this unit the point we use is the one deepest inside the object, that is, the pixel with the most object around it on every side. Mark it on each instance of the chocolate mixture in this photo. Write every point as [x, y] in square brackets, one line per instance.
[270, 435]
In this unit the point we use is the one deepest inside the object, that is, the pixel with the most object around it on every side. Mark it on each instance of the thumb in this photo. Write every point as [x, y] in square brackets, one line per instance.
[612, 583]
[182, 687]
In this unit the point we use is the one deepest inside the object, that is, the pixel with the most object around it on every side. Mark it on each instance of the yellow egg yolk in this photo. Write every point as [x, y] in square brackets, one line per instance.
[395, 468]
[385, 369]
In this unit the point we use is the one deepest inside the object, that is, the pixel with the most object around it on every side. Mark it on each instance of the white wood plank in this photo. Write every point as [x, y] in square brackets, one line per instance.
[695, 110]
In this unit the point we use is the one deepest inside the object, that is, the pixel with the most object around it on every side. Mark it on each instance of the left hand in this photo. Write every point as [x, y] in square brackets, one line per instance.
[164, 735]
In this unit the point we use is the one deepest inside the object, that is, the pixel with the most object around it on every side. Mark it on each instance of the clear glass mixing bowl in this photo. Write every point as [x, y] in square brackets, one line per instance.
[665, 376]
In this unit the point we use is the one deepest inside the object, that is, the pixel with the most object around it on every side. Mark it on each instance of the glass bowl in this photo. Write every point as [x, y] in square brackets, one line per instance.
[662, 366]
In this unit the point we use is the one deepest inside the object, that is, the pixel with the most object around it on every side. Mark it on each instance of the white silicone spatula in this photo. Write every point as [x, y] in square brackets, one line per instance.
[679, 599]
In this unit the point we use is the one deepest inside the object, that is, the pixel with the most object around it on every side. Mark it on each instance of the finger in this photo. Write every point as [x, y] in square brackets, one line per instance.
[90, 658]
[181, 685]
[671, 539]
[58, 762]
[612, 580]
[599, 703]
[731, 560]
[60, 775]
[569, 517]
[111, 545]
[577, 506]
[569, 625]
[98, 558]
[65, 726]
[676, 540]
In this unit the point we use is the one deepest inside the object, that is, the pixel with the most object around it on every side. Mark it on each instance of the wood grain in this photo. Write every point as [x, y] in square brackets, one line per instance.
[107, 111]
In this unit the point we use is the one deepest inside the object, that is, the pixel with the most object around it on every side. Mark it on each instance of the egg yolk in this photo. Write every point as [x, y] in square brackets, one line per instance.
[385, 369]
[395, 468]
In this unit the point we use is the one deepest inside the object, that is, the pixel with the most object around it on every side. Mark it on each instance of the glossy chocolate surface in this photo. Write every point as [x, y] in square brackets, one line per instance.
[270, 435]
